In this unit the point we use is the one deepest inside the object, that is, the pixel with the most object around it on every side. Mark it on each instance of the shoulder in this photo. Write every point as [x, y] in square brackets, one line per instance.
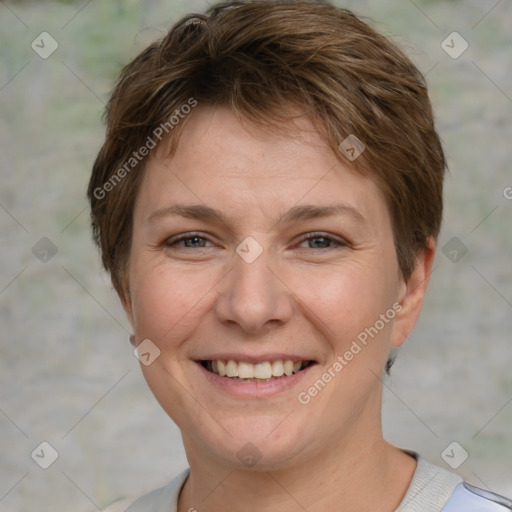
[468, 498]
[434, 489]
[430, 487]
[164, 499]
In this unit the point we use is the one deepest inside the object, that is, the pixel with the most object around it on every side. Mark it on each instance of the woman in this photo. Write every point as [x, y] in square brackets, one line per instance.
[267, 201]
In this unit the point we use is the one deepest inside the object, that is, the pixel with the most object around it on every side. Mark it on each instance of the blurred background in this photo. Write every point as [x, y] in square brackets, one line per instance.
[68, 376]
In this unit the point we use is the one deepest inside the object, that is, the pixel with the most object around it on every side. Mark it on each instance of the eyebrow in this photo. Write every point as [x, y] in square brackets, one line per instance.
[294, 214]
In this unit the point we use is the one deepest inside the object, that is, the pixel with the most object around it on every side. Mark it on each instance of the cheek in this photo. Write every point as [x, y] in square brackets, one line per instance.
[343, 300]
[166, 302]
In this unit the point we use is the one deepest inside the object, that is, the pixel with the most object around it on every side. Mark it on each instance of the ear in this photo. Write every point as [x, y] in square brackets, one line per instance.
[412, 293]
[124, 296]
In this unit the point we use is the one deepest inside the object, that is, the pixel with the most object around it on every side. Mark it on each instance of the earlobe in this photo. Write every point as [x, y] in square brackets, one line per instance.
[127, 306]
[412, 293]
[124, 296]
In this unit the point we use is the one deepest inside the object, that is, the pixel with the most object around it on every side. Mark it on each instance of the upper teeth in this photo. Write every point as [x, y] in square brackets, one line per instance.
[264, 370]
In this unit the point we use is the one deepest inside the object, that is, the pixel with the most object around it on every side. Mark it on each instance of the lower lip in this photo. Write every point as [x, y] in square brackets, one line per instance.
[254, 389]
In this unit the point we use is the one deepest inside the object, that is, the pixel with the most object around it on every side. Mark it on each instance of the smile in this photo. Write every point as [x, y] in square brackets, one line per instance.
[264, 371]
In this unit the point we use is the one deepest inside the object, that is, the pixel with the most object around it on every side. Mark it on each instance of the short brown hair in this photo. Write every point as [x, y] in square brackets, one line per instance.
[257, 57]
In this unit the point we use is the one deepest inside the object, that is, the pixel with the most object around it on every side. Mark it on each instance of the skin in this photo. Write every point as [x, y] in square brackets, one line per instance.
[305, 297]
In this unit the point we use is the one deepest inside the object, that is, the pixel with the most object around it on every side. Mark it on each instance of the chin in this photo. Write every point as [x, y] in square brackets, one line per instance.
[250, 441]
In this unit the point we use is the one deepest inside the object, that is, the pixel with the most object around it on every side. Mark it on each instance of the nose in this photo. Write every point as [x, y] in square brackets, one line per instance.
[253, 296]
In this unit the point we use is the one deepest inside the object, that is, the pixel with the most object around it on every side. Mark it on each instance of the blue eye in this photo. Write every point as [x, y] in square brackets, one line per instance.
[191, 241]
[318, 241]
[321, 241]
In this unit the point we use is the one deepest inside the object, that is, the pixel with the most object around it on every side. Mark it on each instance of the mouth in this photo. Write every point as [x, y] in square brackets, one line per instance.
[265, 371]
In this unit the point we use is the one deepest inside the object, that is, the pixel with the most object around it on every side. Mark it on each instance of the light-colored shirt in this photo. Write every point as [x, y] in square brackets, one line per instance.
[429, 490]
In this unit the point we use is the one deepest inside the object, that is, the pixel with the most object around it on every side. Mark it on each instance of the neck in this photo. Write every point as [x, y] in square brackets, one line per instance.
[354, 477]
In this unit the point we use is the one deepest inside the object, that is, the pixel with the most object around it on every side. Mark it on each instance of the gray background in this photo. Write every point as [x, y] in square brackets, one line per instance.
[67, 372]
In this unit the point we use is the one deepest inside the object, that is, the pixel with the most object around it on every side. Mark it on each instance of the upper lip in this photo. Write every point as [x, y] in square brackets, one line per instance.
[252, 358]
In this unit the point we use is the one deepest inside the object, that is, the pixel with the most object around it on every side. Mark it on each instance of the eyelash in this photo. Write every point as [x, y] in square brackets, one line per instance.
[310, 236]
[338, 242]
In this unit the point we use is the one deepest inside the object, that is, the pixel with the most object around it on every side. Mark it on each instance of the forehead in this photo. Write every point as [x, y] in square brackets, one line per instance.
[217, 133]
[225, 164]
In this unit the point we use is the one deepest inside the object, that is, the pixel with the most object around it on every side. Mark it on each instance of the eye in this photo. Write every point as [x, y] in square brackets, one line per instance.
[191, 241]
[319, 241]
[322, 241]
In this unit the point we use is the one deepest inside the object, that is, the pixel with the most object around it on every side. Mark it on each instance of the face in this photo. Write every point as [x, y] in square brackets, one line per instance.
[255, 254]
